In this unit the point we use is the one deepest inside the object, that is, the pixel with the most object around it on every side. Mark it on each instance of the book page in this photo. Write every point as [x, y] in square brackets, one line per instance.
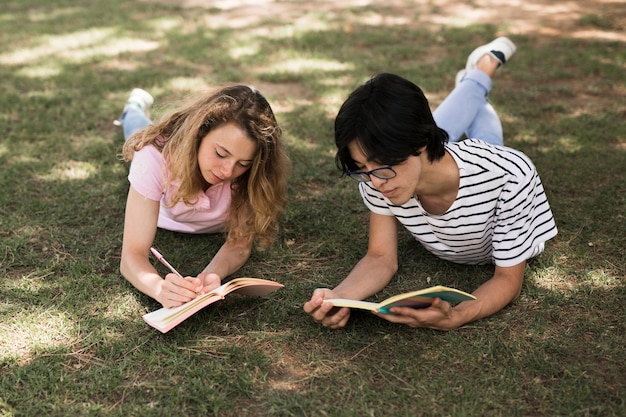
[343, 302]
[166, 315]
[251, 286]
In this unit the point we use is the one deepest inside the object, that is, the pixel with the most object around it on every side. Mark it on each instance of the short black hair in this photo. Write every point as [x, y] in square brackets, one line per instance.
[390, 118]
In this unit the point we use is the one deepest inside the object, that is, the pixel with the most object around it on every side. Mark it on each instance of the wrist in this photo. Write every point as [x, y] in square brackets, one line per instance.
[462, 314]
[158, 296]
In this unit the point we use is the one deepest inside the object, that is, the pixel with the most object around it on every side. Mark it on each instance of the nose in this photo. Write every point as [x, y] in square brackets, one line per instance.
[227, 169]
[377, 182]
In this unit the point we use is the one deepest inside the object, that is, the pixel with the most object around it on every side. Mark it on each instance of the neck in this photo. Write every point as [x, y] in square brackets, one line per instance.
[439, 184]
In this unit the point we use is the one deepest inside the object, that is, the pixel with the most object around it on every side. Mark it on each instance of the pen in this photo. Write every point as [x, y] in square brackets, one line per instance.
[164, 262]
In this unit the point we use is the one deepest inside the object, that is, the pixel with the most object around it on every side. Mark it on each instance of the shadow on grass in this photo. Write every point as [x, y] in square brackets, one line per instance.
[73, 338]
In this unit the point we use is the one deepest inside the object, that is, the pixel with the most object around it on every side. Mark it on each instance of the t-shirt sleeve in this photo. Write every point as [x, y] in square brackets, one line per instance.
[524, 221]
[374, 200]
[147, 173]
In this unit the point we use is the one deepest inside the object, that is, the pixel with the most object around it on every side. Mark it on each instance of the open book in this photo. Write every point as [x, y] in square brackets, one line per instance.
[415, 299]
[165, 319]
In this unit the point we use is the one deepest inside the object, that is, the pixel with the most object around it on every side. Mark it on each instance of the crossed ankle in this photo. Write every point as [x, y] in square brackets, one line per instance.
[488, 64]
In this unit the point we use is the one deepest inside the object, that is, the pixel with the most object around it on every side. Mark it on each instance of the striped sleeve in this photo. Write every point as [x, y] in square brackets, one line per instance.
[523, 221]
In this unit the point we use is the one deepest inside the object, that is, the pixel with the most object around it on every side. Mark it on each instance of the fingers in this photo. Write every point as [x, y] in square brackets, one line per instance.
[313, 305]
[326, 314]
[437, 316]
[177, 290]
[337, 319]
[209, 282]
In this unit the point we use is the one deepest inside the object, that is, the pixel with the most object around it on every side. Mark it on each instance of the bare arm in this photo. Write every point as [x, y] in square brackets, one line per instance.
[140, 224]
[491, 297]
[374, 271]
[495, 294]
[230, 257]
[371, 274]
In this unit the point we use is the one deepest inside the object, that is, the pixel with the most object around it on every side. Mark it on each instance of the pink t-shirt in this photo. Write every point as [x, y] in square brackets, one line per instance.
[209, 214]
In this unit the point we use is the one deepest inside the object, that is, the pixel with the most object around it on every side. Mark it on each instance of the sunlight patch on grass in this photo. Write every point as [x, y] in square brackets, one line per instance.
[564, 144]
[70, 170]
[568, 144]
[345, 83]
[599, 278]
[286, 106]
[7, 17]
[48, 14]
[35, 329]
[32, 232]
[23, 159]
[299, 65]
[56, 45]
[43, 72]
[78, 46]
[299, 143]
[555, 279]
[243, 51]
[165, 24]
[111, 48]
[120, 64]
[525, 137]
[380, 19]
[122, 305]
[336, 90]
[186, 83]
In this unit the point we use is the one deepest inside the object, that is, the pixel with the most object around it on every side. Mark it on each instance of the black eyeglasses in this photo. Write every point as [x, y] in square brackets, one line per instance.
[384, 173]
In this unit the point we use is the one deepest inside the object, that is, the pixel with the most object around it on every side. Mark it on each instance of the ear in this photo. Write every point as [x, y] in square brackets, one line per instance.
[420, 151]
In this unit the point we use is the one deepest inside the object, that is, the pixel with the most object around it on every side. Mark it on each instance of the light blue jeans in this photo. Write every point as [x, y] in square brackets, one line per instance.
[466, 110]
[133, 120]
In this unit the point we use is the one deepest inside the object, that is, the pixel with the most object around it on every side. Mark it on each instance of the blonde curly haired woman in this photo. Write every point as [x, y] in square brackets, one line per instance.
[217, 164]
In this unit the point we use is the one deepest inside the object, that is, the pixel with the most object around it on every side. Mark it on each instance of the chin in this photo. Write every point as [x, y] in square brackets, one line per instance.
[398, 201]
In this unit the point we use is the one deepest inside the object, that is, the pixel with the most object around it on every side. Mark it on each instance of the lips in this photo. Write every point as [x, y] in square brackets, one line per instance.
[214, 178]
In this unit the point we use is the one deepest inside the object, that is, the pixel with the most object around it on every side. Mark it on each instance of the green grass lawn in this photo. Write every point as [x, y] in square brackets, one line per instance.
[72, 341]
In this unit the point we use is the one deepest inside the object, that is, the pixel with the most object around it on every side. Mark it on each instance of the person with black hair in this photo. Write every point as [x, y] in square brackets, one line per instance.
[471, 201]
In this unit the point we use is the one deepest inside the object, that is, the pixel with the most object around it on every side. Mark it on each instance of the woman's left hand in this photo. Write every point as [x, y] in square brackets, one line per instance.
[210, 281]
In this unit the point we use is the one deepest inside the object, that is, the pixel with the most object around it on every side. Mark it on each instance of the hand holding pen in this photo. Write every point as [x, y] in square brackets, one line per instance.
[169, 266]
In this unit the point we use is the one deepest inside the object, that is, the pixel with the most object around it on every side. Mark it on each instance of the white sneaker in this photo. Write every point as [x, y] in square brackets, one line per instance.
[139, 99]
[501, 48]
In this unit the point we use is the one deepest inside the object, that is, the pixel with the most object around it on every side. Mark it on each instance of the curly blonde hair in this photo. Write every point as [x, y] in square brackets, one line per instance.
[259, 196]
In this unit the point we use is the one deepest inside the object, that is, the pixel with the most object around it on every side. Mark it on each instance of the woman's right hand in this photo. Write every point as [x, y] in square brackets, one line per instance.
[176, 290]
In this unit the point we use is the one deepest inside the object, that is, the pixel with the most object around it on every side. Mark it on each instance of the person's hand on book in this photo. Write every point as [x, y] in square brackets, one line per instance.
[176, 290]
[210, 281]
[326, 314]
[438, 316]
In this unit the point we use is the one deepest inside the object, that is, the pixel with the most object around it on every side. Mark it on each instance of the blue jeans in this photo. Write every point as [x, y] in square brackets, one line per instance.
[133, 120]
[466, 110]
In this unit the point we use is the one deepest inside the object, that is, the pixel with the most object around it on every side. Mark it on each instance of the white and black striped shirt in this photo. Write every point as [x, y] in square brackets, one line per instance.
[501, 214]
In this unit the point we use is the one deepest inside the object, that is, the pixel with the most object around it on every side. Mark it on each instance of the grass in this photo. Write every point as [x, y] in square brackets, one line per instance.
[72, 341]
